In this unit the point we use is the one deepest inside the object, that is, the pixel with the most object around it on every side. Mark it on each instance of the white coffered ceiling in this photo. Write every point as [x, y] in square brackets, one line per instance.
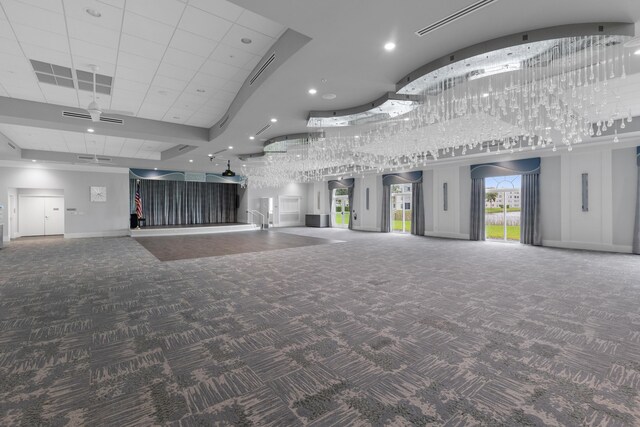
[171, 60]
[183, 61]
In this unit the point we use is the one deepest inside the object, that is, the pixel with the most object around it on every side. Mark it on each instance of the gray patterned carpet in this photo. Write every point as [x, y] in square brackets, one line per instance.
[378, 330]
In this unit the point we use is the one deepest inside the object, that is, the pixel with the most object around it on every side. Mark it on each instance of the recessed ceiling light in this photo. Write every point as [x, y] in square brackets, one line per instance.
[244, 166]
[406, 119]
[210, 155]
[357, 136]
[312, 91]
[155, 169]
[637, 52]
[33, 160]
[297, 155]
[200, 90]
[246, 40]
[273, 120]
[176, 117]
[90, 130]
[252, 137]
[485, 95]
[93, 12]
[231, 147]
[190, 160]
[389, 46]
[329, 96]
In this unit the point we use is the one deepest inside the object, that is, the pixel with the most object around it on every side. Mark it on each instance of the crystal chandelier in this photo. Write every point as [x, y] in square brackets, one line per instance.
[548, 94]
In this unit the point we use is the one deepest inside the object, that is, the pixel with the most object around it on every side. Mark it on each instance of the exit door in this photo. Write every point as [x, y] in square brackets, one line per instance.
[41, 216]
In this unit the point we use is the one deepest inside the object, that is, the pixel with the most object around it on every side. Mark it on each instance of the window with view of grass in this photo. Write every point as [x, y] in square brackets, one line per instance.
[502, 208]
[401, 208]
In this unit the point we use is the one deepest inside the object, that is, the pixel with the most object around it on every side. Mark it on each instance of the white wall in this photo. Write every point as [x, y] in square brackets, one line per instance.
[607, 226]
[110, 218]
[253, 196]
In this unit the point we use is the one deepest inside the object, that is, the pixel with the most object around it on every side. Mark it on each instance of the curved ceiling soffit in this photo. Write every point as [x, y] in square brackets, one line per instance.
[407, 84]
[280, 144]
[408, 89]
[288, 44]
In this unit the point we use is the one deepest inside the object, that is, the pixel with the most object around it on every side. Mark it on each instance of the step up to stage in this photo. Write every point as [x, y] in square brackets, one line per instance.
[193, 229]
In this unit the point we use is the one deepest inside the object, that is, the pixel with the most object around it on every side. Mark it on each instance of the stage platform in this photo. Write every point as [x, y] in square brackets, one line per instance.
[183, 230]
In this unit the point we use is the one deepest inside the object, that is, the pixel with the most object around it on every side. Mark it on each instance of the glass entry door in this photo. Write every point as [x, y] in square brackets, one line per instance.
[341, 209]
[401, 208]
[502, 208]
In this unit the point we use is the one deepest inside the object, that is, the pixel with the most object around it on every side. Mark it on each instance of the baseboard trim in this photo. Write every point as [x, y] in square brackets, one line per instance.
[587, 246]
[447, 235]
[110, 233]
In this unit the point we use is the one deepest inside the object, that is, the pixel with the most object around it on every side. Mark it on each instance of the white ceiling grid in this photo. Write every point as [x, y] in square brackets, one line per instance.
[175, 61]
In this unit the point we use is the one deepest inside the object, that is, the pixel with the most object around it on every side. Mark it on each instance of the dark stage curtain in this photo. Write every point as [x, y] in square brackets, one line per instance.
[184, 203]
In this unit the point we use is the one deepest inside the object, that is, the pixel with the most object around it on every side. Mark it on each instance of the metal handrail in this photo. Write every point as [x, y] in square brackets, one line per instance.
[253, 212]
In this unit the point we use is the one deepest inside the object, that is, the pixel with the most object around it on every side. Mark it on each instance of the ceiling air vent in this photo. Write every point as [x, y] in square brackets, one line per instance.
[455, 16]
[263, 68]
[183, 147]
[94, 159]
[224, 122]
[11, 145]
[53, 74]
[85, 116]
[262, 130]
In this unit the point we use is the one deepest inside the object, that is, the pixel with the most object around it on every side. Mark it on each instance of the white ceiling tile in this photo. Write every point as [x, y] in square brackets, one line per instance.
[189, 102]
[252, 63]
[175, 72]
[51, 6]
[111, 16]
[169, 83]
[93, 34]
[136, 62]
[5, 29]
[141, 47]
[41, 38]
[221, 8]
[59, 95]
[40, 53]
[219, 69]
[238, 78]
[204, 24]
[192, 43]
[142, 76]
[165, 11]
[183, 59]
[115, 3]
[225, 96]
[10, 46]
[89, 50]
[206, 82]
[104, 67]
[124, 87]
[260, 24]
[230, 55]
[26, 94]
[148, 29]
[259, 42]
[36, 17]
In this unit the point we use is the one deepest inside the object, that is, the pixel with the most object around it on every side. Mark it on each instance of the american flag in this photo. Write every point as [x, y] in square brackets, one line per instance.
[138, 202]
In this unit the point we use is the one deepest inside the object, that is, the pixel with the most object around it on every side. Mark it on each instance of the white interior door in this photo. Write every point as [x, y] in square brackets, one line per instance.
[31, 216]
[53, 215]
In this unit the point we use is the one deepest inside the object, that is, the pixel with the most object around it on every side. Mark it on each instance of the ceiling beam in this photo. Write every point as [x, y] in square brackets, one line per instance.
[49, 116]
